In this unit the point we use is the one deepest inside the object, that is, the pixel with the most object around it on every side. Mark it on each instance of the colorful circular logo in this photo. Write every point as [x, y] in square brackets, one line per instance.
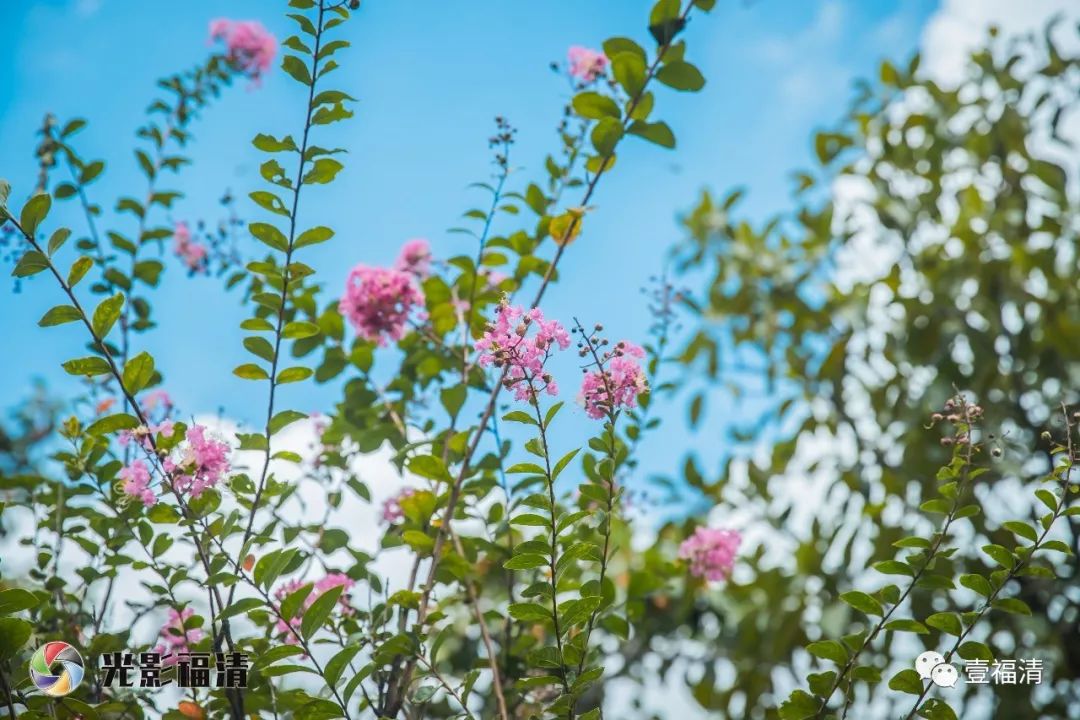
[56, 669]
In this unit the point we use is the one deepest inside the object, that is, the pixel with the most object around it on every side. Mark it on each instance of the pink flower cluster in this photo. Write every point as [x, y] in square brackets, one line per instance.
[175, 639]
[586, 64]
[392, 510]
[711, 552]
[290, 628]
[617, 385]
[192, 253]
[202, 462]
[378, 302]
[136, 482]
[506, 344]
[415, 258]
[249, 46]
[156, 400]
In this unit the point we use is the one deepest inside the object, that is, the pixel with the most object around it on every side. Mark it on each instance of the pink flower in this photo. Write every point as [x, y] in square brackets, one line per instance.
[415, 258]
[378, 302]
[392, 510]
[711, 552]
[202, 463]
[155, 399]
[586, 64]
[249, 46]
[506, 343]
[192, 254]
[136, 482]
[174, 638]
[617, 385]
[332, 580]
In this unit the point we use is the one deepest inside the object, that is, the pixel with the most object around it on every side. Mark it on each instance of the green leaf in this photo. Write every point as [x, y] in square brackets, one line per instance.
[977, 583]
[138, 372]
[113, 423]
[31, 263]
[829, 650]
[268, 143]
[293, 374]
[58, 239]
[15, 600]
[629, 70]
[269, 201]
[88, 366]
[79, 268]
[316, 615]
[106, 315]
[300, 329]
[593, 106]
[800, 705]
[324, 171]
[681, 76]
[59, 315]
[893, 567]
[430, 467]
[240, 607]
[250, 371]
[1012, 605]
[906, 681]
[906, 625]
[862, 602]
[260, 347]
[974, 651]
[1000, 555]
[1021, 529]
[14, 632]
[297, 69]
[656, 132]
[313, 236]
[34, 211]
[337, 664]
[946, 622]
[529, 612]
[525, 561]
[284, 418]
[606, 135]
[269, 235]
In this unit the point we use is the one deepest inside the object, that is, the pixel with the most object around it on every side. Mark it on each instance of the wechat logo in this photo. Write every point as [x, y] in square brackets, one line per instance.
[932, 666]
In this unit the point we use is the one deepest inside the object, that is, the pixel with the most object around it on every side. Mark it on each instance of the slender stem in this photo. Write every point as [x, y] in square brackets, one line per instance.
[493, 657]
[931, 555]
[1066, 472]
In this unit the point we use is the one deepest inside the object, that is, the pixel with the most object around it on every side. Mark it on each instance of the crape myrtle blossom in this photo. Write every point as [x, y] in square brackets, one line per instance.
[176, 639]
[415, 258]
[290, 628]
[192, 253]
[201, 463]
[248, 45]
[135, 483]
[586, 64]
[711, 552]
[378, 302]
[156, 400]
[506, 344]
[392, 510]
[615, 385]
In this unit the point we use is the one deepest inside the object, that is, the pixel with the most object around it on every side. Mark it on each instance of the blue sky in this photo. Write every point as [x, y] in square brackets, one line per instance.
[430, 77]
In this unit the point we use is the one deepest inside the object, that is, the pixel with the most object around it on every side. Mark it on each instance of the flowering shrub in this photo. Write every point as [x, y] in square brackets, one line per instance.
[514, 544]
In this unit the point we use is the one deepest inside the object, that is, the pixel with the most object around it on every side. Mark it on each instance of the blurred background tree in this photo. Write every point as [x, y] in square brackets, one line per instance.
[933, 248]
